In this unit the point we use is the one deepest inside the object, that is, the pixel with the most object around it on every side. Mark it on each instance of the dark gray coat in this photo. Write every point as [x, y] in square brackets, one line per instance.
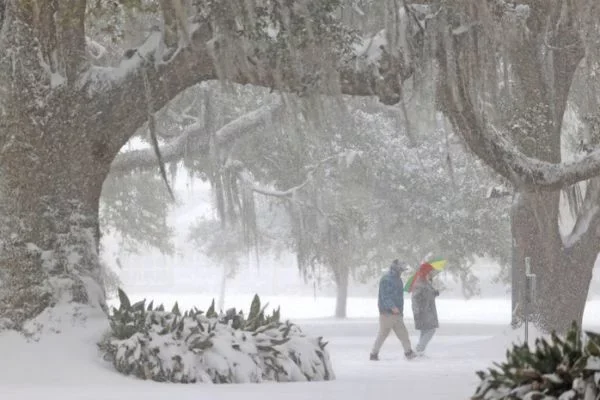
[423, 305]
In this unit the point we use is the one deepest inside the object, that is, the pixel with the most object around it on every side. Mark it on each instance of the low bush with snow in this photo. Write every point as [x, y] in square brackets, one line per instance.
[560, 369]
[196, 346]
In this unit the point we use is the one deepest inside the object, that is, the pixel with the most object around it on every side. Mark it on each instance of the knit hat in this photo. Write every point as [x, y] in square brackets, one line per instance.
[399, 266]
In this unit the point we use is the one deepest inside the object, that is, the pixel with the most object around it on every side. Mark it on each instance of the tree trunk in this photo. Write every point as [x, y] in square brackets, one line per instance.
[222, 288]
[341, 283]
[563, 276]
[55, 156]
[51, 185]
[533, 114]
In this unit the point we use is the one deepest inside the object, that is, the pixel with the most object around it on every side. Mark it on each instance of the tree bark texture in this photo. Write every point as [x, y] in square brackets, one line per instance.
[53, 163]
[543, 75]
[342, 280]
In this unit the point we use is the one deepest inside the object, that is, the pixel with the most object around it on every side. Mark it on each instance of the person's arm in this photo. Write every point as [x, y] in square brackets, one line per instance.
[386, 294]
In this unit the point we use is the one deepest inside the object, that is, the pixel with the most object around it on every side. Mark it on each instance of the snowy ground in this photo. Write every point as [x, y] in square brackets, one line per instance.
[65, 367]
[451, 310]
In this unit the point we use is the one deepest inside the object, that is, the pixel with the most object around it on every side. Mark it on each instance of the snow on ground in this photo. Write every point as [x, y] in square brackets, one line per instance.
[451, 310]
[67, 366]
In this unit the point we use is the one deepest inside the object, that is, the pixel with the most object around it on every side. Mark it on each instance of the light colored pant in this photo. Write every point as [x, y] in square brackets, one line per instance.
[424, 339]
[387, 323]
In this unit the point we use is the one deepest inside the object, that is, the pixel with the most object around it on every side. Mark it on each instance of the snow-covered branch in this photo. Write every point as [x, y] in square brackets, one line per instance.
[371, 71]
[192, 140]
[493, 145]
[195, 140]
[289, 193]
[588, 213]
[247, 123]
[506, 159]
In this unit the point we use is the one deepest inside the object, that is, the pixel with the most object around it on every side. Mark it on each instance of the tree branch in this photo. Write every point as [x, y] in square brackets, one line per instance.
[70, 27]
[376, 73]
[588, 213]
[494, 147]
[289, 193]
[504, 157]
[195, 140]
[171, 152]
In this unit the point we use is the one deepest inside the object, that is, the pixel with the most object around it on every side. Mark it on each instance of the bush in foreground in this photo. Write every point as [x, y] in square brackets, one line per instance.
[196, 346]
[560, 369]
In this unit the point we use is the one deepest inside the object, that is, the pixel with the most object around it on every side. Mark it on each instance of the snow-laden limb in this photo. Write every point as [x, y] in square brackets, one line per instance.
[195, 140]
[506, 159]
[485, 139]
[587, 215]
[247, 123]
[371, 70]
[501, 154]
[346, 157]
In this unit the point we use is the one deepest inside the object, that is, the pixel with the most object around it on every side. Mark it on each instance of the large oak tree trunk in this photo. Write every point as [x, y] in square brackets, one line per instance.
[50, 190]
[54, 159]
[543, 80]
[51, 173]
[534, 105]
[563, 274]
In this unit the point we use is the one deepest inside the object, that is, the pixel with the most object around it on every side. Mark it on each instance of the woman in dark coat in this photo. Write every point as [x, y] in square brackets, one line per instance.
[423, 306]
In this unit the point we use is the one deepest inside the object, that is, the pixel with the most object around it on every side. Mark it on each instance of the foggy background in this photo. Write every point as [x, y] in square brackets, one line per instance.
[189, 272]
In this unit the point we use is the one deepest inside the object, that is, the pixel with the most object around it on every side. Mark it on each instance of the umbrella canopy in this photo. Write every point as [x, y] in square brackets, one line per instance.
[437, 264]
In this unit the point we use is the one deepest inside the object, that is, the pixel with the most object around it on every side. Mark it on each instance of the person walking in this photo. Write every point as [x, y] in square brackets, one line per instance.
[391, 311]
[423, 306]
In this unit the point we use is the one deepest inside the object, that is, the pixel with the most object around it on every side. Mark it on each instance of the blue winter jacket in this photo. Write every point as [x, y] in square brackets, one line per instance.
[391, 293]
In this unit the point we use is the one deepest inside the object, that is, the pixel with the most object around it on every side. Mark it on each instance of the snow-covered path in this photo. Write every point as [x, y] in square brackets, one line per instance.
[472, 335]
[59, 370]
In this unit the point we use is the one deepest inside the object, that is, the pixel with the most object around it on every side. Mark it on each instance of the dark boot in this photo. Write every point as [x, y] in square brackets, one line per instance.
[374, 357]
[410, 355]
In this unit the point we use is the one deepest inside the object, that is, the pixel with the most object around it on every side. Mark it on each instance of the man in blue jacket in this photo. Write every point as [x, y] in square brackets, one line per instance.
[391, 310]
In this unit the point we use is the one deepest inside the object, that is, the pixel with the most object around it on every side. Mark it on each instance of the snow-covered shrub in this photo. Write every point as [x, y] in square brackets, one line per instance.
[559, 369]
[197, 346]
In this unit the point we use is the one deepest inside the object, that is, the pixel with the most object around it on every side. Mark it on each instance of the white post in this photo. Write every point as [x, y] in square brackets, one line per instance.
[529, 294]
[526, 307]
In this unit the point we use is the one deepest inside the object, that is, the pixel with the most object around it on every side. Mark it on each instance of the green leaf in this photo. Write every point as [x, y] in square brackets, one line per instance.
[210, 313]
[139, 306]
[124, 300]
[201, 344]
[277, 342]
[254, 308]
